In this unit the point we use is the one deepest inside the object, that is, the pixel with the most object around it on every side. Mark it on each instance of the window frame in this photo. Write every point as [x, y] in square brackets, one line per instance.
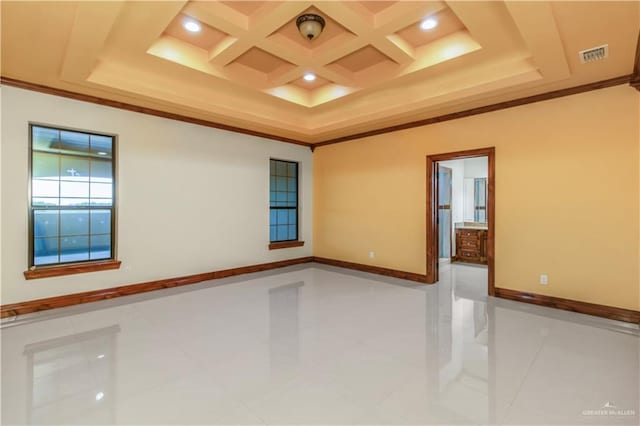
[73, 267]
[278, 244]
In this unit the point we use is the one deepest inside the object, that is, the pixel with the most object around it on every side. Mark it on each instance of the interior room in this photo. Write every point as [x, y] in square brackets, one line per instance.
[463, 220]
[320, 212]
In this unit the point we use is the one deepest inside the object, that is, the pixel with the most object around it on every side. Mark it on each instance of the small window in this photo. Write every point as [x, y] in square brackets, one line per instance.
[72, 201]
[480, 199]
[283, 201]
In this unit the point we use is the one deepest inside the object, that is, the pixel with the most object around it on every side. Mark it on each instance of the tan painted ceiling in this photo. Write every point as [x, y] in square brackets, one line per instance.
[375, 66]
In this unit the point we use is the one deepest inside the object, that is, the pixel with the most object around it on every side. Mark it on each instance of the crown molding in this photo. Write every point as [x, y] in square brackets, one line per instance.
[143, 110]
[484, 109]
[632, 79]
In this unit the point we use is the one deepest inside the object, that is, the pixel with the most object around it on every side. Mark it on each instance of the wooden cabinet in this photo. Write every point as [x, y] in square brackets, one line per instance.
[471, 245]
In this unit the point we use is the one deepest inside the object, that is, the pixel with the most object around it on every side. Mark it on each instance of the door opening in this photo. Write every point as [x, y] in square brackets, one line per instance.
[461, 221]
[444, 213]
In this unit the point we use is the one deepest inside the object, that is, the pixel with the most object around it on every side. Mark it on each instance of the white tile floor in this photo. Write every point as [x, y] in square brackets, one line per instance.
[319, 345]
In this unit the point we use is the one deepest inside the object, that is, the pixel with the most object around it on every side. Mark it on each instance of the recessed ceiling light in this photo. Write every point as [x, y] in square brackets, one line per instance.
[192, 26]
[99, 396]
[309, 76]
[428, 24]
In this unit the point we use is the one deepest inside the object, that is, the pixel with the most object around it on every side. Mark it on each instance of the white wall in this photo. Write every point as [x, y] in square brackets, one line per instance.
[191, 199]
[476, 167]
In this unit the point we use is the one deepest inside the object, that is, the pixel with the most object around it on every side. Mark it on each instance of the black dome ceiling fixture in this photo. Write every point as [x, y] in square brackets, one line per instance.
[310, 25]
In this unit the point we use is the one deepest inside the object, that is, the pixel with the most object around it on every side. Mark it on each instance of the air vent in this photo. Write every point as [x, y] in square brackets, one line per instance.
[594, 54]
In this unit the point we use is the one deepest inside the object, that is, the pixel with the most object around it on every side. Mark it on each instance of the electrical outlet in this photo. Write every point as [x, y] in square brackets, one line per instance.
[372, 254]
[544, 279]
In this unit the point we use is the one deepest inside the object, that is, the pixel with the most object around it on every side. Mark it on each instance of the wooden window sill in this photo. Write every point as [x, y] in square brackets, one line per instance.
[285, 244]
[75, 268]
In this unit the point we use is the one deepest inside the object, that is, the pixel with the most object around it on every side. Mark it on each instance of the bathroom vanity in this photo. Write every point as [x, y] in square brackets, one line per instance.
[471, 242]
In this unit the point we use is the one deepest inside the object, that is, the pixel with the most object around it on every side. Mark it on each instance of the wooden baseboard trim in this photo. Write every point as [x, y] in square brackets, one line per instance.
[373, 269]
[22, 308]
[610, 312]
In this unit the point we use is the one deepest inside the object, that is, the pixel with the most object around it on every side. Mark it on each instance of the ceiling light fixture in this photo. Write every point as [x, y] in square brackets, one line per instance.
[310, 25]
[309, 76]
[192, 26]
[428, 24]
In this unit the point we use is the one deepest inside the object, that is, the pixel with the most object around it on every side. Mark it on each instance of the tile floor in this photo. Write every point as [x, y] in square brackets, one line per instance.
[319, 345]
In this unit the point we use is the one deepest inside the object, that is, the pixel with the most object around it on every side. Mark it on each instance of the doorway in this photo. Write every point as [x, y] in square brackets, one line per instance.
[439, 213]
[445, 218]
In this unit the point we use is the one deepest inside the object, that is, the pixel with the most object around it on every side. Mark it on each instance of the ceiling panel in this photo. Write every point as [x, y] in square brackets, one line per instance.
[374, 64]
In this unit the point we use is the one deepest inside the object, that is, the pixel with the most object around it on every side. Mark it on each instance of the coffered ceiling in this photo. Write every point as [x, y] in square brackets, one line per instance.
[374, 64]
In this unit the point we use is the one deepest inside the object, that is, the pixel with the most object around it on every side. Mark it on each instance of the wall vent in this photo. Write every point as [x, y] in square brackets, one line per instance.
[594, 54]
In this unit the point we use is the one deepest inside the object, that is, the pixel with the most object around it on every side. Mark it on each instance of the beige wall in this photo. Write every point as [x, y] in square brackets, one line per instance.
[567, 194]
[191, 199]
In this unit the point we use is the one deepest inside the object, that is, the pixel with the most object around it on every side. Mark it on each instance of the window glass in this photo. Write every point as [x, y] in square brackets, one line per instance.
[100, 247]
[100, 221]
[45, 139]
[74, 249]
[45, 223]
[283, 199]
[101, 171]
[46, 166]
[74, 169]
[46, 251]
[72, 199]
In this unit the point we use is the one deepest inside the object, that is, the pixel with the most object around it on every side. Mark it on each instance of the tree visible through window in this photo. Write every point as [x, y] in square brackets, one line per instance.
[72, 196]
[283, 194]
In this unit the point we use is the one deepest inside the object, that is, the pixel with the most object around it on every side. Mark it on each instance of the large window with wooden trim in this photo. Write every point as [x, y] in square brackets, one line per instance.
[72, 202]
[283, 207]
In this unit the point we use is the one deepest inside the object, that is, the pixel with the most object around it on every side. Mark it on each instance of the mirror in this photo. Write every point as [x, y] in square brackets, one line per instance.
[475, 200]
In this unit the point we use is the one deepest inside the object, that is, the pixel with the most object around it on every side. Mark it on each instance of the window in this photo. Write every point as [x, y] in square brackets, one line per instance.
[480, 200]
[283, 201]
[72, 197]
